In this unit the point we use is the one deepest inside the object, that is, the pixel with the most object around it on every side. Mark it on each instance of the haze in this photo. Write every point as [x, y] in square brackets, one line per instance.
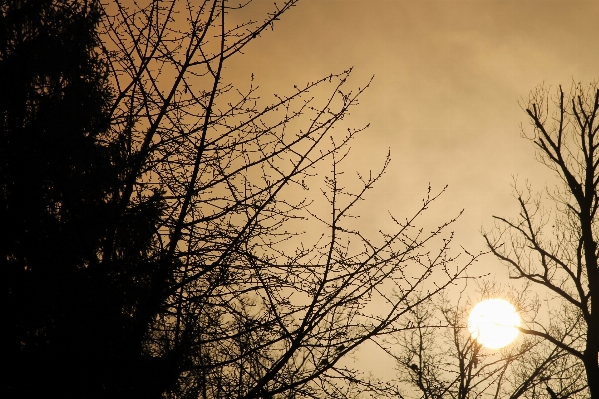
[448, 76]
[447, 79]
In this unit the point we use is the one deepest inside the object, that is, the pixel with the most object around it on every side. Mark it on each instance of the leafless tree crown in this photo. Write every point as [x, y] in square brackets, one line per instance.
[231, 309]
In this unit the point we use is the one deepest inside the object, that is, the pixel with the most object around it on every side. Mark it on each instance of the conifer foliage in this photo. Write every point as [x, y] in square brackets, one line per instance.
[55, 177]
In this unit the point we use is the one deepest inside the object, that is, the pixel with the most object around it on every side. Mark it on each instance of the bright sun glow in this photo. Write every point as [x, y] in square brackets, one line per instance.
[492, 323]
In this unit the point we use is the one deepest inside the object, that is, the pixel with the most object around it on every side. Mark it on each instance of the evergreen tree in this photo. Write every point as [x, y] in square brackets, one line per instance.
[56, 177]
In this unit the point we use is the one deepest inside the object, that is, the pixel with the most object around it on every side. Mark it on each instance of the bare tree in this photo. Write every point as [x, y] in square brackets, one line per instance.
[553, 241]
[155, 245]
[225, 298]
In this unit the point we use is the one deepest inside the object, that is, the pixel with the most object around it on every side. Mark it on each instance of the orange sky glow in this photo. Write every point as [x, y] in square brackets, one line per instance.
[448, 75]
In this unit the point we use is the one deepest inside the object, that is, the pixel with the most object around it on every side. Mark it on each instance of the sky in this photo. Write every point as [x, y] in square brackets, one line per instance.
[448, 77]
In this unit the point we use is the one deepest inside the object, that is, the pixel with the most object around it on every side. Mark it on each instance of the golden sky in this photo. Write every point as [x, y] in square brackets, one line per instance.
[448, 76]
[447, 79]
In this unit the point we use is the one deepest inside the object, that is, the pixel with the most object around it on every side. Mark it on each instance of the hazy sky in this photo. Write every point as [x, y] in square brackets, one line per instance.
[447, 79]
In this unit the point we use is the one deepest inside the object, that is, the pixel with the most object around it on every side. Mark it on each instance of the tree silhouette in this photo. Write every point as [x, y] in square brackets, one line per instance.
[156, 213]
[554, 247]
[54, 178]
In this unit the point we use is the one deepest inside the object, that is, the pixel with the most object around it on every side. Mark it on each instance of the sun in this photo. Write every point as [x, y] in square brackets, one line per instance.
[493, 323]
